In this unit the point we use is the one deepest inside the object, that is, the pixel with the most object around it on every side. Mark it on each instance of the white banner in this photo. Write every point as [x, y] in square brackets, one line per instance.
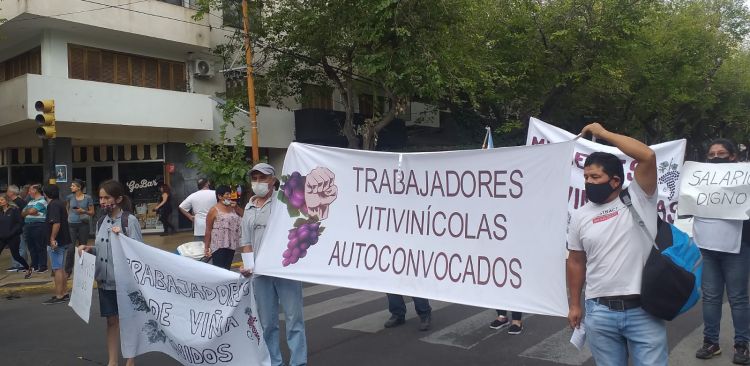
[718, 191]
[460, 226]
[83, 284]
[669, 158]
[196, 313]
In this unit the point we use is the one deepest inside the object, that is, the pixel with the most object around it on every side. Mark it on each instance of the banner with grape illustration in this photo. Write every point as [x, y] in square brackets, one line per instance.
[196, 313]
[669, 158]
[477, 227]
[719, 191]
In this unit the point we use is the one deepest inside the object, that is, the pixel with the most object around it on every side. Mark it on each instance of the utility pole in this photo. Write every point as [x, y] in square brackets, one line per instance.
[250, 83]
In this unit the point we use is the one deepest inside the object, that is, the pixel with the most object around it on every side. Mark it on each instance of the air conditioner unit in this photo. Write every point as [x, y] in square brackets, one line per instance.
[203, 68]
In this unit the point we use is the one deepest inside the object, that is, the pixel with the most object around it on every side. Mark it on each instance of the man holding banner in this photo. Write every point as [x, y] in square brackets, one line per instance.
[608, 250]
[272, 291]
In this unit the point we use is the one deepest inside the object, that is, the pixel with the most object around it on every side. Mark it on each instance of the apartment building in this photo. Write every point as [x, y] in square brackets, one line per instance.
[132, 83]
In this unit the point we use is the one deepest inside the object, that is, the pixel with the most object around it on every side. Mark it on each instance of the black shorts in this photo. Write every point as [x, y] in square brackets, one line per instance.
[108, 302]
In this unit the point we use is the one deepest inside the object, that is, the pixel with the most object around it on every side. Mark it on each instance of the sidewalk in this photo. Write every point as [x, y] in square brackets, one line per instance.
[13, 283]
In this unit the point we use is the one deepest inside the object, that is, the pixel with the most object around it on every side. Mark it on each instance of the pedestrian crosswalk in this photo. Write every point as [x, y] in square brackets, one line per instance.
[461, 327]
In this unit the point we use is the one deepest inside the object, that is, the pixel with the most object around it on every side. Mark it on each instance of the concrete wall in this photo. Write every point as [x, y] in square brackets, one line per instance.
[104, 103]
[136, 22]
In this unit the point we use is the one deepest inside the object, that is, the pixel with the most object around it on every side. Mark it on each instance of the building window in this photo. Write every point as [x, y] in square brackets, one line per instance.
[236, 89]
[232, 14]
[370, 105]
[29, 62]
[317, 97]
[173, 2]
[93, 64]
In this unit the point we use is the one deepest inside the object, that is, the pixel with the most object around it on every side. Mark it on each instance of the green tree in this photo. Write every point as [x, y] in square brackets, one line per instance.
[405, 50]
[223, 161]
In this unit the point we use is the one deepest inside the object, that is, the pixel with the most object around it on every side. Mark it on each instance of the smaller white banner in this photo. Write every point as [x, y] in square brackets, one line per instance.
[83, 284]
[718, 191]
[196, 313]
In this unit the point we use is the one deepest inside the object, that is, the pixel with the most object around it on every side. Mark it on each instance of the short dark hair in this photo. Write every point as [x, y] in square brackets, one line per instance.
[51, 191]
[220, 190]
[202, 183]
[79, 183]
[611, 164]
[165, 188]
[726, 143]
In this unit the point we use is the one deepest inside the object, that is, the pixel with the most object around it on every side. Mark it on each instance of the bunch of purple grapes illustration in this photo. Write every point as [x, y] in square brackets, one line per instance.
[294, 192]
[300, 240]
[670, 175]
[308, 198]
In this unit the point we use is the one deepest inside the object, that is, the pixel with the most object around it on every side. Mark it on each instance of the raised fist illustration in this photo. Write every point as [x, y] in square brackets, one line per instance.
[320, 191]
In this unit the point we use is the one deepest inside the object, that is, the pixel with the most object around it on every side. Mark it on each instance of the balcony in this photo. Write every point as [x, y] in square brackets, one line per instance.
[80, 102]
[142, 21]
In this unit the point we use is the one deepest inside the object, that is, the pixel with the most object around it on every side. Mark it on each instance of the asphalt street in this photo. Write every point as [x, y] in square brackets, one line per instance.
[344, 327]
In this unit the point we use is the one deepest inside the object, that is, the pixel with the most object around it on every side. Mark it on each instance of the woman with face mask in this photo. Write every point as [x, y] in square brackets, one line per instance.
[223, 229]
[116, 206]
[725, 265]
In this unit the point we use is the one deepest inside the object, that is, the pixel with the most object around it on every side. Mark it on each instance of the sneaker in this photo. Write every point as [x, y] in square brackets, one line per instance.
[741, 354]
[708, 350]
[497, 324]
[65, 297]
[14, 269]
[394, 321]
[54, 300]
[43, 270]
[515, 329]
[425, 323]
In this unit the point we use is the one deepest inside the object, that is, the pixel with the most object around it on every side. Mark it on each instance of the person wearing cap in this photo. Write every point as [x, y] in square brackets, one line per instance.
[199, 203]
[272, 291]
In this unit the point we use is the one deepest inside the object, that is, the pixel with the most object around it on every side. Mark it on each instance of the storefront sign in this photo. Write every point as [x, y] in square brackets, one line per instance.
[143, 184]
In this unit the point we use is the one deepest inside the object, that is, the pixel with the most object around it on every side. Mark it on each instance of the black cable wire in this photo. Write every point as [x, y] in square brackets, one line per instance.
[16, 20]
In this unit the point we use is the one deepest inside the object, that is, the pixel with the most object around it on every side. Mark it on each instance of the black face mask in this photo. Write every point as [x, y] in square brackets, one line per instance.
[598, 193]
[718, 160]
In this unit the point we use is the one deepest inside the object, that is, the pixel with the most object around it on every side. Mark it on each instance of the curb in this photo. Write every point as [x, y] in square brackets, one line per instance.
[19, 288]
[33, 289]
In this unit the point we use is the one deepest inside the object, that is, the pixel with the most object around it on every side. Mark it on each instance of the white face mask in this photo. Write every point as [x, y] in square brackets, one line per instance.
[260, 189]
[227, 202]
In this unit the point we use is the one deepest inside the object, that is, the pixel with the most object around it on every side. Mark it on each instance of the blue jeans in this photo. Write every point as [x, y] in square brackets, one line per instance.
[269, 292]
[728, 270]
[22, 250]
[613, 335]
[397, 306]
[36, 234]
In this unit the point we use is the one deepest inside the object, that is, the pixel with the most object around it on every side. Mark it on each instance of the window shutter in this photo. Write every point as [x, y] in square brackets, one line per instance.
[75, 63]
[108, 67]
[178, 70]
[93, 65]
[152, 73]
[35, 64]
[138, 71]
[165, 75]
[123, 70]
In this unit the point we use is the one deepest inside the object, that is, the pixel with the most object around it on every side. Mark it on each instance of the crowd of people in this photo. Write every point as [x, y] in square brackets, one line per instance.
[606, 245]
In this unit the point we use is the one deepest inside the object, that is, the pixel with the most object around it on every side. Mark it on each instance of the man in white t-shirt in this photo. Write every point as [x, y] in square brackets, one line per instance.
[608, 249]
[199, 203]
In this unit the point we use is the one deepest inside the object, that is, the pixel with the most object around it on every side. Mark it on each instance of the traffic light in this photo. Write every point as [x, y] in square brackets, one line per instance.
[45, 119]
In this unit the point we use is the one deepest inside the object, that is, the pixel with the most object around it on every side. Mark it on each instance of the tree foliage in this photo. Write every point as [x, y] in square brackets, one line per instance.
[653, 69]
[223, 161]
